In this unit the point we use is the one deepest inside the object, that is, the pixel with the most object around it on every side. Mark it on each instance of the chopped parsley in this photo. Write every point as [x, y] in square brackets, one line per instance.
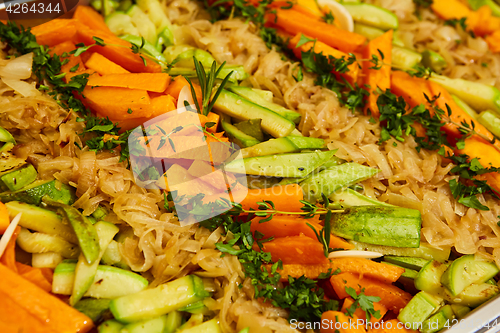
[397, 122]
[328, 18]
[363, 302]
[419, 4]
[223, 9]
[301, 296]
[47, 67]
[420, 71]
[457, 22]
[460, 23]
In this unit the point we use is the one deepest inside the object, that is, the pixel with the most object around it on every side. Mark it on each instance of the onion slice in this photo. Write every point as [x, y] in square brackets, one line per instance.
[21, 87]
[18, 68]
[185, 95]
[341, 15]
[355, 254]
[8, 233]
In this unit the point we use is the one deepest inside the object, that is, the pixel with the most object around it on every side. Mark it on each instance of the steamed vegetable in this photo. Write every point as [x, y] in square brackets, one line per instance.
[294, 22]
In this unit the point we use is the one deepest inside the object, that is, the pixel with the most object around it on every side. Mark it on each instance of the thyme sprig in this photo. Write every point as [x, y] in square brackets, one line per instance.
[301, 296]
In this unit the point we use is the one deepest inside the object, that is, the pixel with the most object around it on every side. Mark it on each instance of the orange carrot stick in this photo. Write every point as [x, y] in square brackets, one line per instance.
[319, 47]
[482, 21]
[41, 277]
[103, 65]
[213, 118]
[290, 225]
[370, 269]
[296, 250]
[55, 31]
[391, 296]
[458, 115]
[180, 82]
[176, 86]
[380, 78]
[493, 41]
[487, 155]
[117, 50]
[295, 22]
[285, 198]
[63, 51]
[450, 9]
[115, 103]
[160, 105]
[36, 305]
[311, 6]
[412, 89]
[92, 19]
[404, 85]
[360, 313]
[155, 82]
[4, 218]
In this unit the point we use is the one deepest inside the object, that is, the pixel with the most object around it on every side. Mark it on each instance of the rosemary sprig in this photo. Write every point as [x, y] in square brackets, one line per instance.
[207, 84]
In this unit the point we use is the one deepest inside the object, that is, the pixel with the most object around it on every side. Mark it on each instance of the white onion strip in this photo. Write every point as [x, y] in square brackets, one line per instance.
[355, 254]
[8, 233]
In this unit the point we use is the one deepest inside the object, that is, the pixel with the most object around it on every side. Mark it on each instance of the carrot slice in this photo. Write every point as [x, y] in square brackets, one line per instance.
[155, 82]
[180, 82]
[117, 50]
[63, 51]
[296, 250]
[458, 115]
[55, 31]
[493, 41]
[213, 118]
[450, 9]
[288, 225]
[159, 105]
[369, 268]
[162, 104]
[41, 277]
[487, 155]
[116, 103]
[380, 78]
[391, 296]
[14, 318]
[482, 21]
[35, 305]
[103, 65]
[412, 89]
[285, 198]
[176, 86]
[311, 5]
[319, 47]
[92, 19]
[4, 218]
[295, 22]
[404, 85]
[360, 313]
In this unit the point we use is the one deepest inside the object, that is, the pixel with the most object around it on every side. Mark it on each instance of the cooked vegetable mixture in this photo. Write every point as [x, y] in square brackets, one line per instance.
[340, 160]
